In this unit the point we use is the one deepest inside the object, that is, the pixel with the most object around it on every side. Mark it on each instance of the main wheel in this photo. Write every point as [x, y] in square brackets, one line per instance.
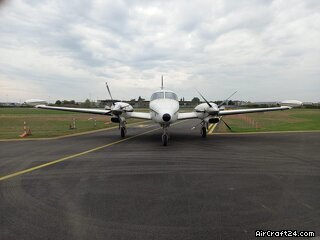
[203, 132]
[164, 139]
[123, 132]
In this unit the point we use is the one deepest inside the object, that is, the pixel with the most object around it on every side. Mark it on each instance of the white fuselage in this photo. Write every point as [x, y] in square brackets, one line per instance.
[164, 107]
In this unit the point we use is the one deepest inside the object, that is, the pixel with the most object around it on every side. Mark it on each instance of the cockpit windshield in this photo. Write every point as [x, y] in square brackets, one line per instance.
[161, 95]
[171, 95]
[157, 95]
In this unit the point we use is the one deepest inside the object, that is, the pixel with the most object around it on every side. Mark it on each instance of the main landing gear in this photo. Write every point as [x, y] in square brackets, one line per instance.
[123, 129]
[204, 127]
[165, 136]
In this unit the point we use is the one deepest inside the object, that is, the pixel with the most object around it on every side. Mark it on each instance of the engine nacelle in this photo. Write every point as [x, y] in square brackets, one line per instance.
[123, 106]
[203, 110]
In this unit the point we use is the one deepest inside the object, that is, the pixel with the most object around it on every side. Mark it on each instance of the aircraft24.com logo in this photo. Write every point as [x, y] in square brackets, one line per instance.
[284, 233]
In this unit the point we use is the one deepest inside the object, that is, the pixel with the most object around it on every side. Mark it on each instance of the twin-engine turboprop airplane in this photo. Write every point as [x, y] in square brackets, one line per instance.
[164, 110]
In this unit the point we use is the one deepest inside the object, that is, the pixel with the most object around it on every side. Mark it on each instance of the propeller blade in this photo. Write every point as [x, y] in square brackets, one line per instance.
[109, 93]
[226, 125]
[204, 98]
[227, 99]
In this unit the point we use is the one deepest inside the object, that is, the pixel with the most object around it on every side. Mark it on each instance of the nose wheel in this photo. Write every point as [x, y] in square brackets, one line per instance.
[165, 139]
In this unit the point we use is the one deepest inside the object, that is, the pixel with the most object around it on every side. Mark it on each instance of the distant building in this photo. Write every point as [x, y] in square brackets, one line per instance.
[264, 104]
[10, 104]
[186, 104]
[141, 103]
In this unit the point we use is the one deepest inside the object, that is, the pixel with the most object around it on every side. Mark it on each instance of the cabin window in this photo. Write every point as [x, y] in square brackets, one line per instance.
[157, 95]
[171, 95]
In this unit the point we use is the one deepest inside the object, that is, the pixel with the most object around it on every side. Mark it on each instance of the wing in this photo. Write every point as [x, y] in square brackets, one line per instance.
[82, 110]
[192, 115]
[252, 110]
[140, 115]
[187, 115]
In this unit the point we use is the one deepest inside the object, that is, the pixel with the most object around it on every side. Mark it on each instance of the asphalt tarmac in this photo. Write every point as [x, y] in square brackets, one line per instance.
[97, 187]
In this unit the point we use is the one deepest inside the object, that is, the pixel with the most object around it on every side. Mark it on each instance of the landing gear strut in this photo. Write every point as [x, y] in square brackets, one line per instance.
[165, 136]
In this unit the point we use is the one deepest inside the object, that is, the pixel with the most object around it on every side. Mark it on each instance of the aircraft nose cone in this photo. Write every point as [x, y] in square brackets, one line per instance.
[166, 117]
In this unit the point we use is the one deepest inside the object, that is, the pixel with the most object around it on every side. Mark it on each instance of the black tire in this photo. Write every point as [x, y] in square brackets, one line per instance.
[203, 132]
[123, 132]
[164, 139]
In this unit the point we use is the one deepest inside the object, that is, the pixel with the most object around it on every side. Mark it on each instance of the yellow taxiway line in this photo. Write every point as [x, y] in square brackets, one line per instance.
[75, 155]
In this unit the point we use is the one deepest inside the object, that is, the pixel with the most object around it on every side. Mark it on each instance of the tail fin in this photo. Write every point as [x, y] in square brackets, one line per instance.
[162, 82]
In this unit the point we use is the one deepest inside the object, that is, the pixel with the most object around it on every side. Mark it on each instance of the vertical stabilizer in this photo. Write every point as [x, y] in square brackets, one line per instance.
[162, 82]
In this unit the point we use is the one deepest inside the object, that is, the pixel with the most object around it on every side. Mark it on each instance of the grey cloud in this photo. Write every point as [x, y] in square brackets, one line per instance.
[255, 46]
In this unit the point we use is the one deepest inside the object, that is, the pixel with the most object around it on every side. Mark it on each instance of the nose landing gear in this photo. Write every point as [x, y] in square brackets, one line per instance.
[165, 136]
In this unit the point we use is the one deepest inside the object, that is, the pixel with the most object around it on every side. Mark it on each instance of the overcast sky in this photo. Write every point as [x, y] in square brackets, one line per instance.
[267, 50]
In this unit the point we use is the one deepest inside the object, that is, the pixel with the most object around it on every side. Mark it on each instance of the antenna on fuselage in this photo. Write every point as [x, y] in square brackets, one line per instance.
[162, 82]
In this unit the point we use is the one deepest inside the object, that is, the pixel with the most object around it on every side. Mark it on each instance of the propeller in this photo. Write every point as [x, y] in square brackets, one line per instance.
[113, 101]
[212, 110]
[220, 105]
[113, 104]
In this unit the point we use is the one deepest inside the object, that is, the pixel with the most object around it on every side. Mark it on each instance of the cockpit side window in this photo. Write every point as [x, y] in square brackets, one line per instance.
[157, 95]
[171, 95]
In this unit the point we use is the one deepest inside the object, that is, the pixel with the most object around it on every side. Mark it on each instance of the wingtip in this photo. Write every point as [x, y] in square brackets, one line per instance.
[35, 102]
[40, 106]
[291, 103]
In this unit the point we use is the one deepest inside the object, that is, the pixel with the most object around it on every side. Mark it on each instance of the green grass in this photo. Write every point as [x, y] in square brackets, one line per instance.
[31, 111]
[48, 123]
[290, 120]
